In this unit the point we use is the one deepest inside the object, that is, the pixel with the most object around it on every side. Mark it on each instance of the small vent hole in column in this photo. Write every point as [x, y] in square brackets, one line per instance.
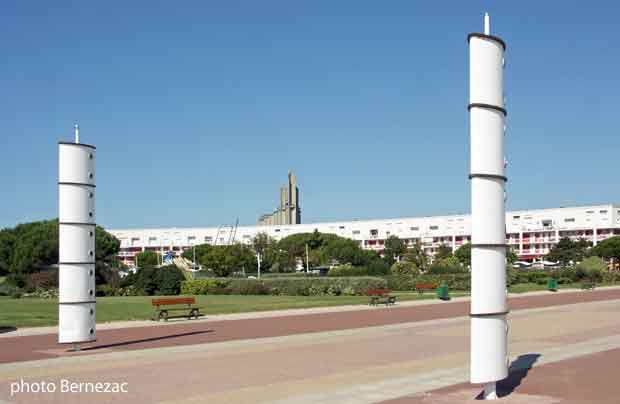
[91, 331]
[90, 233]
[92, 312]
[90, 292]
[90, 156]
[90, 175]
[90, 253]
[91, 273]
[90, 195]
[90, 214]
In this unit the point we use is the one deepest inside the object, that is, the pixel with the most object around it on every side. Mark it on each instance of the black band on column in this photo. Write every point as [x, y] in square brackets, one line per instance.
[78, 144]
[77, 183]
[492, 176]
[485, 36]
[501, 313]
[487, 106]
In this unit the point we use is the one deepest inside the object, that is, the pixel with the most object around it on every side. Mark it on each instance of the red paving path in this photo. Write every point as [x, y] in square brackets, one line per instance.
[583, 380]
[17, 349]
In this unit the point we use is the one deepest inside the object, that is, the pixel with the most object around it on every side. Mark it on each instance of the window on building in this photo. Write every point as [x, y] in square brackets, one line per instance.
[434, 227]
[516, 217]
[341, 227]
[374, 232]
[277, 230]
[603, 212]
[569, 219]
[356, 232]
[416, 228]
[547, 223]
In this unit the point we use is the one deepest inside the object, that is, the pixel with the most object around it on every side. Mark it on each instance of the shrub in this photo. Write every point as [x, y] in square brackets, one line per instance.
[454, 281]
[347, 270]
[168, 280]
[43, 294]
[293, 286]
[42, 280]
[404, 268]
[7, 289]
[377, 267]
[512, 276]
[248, 287]
[448, 265]
[106, 290]
[130, 291]
[591, 268]
[201, 286]
[155, 281]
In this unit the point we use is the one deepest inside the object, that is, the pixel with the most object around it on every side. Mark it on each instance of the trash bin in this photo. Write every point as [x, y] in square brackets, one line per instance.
[552, 285]
[443, 293]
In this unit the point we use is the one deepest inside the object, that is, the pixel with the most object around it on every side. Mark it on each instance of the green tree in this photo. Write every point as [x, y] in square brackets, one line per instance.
[443, 251]
[447, 265]
[267, 247]
[168, 280]
[224, 260]
[393, 249]
[404, 268]
[511, 257]
[417, 255]
[463, 254]
[609, 249]
[564, 251]
[147, 259]
[107, 246]
[35, 247]
[7, 241]
[591, 268]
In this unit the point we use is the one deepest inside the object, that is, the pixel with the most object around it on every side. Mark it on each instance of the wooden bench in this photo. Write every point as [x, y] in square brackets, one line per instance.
[425, 286]
[587, 285]
[380, 296]
[185, 305]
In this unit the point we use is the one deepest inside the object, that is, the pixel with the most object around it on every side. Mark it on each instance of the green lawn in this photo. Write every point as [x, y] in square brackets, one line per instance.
[28, 312]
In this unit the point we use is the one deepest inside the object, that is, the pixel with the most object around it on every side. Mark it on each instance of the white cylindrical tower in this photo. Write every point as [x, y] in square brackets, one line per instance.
[76, 242]
[488, 222]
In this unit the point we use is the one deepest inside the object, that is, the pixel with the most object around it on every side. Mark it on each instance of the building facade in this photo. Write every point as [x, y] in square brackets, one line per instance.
[530, 233]
[289, 211]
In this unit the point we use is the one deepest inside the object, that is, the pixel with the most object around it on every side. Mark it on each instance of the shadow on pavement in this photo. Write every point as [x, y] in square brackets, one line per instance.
[7, 328]
[519, 368]
[138, 341]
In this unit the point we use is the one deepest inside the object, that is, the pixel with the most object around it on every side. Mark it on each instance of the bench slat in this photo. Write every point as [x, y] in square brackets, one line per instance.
[173, 301]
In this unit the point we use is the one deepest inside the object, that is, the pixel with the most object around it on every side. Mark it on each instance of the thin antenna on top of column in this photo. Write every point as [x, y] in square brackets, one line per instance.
[76, 130]
[487, 24]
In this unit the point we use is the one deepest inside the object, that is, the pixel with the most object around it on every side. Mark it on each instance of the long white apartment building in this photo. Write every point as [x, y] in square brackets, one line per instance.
[530, 233]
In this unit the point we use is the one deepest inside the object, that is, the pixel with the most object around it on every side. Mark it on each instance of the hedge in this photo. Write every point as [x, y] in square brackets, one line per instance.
[312, 286]
[454, 281]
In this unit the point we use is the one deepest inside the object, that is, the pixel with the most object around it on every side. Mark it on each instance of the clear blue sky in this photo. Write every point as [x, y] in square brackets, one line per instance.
[198, 109]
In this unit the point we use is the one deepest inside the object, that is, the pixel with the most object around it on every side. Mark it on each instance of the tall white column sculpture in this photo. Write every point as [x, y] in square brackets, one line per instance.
[488, 250]
[76, 242]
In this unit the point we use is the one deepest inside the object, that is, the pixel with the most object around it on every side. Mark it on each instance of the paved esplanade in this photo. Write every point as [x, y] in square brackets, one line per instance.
[357, 365]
